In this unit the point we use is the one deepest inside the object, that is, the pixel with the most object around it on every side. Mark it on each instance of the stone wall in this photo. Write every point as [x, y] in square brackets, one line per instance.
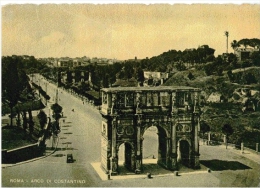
[21, 154]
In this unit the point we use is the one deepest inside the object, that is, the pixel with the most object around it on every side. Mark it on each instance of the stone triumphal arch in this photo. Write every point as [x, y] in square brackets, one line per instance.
[128, 111]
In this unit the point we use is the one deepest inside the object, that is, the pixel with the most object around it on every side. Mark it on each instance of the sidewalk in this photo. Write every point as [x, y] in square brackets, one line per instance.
[150, 166]
[248, 154]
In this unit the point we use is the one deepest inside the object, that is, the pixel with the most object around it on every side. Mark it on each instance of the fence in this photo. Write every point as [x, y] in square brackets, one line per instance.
[253, 148]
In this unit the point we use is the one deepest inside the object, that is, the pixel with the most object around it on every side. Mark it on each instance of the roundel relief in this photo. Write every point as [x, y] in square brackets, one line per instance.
[183, 128]
[120, 130]
[179, 127]
[187, 128]
[129, 130]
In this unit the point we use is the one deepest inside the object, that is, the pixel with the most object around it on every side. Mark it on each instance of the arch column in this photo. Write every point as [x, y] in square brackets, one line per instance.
[114, 160]
[138, 161]
[168, 153]
[178, 152]
[173, 146]
[196, 163]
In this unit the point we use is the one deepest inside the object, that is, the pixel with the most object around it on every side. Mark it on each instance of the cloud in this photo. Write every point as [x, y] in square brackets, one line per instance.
[53, 39]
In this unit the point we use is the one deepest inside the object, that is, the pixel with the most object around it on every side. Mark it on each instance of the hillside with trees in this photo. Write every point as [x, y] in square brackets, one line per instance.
[222, 78]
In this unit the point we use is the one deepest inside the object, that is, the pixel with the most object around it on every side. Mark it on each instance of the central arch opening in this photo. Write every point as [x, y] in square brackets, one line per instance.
[154, 150]
[150, 144]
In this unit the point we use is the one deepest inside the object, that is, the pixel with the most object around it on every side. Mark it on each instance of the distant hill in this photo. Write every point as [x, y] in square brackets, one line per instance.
[213, 83]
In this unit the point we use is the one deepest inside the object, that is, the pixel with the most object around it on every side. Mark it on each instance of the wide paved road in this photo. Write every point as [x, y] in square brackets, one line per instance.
[81, 130]
[80, 135]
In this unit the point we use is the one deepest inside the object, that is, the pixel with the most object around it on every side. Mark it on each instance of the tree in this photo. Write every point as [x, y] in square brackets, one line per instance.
[31, 123]
[129, 71]
[57, 109]
[69, 77]
[230, 75]
[83, 87]
[140, 76]
[42, 118]
[59, 78]
[232, 60]
[244, 42]
[227, 34]
[24, 121]
[256, 58]
[227, 130]
[10, 80]
[235, 45]
[190, 76]
[105, 81]
[180, 66]
[204, 127]
[77, 76]
[250, 79]
[208, 69]
[238, 135]
[255, 43]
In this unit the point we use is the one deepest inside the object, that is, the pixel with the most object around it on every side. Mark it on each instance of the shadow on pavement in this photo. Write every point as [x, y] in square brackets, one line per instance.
[219, 165]
[156, 169]
[66, 125]
[58, 155]
[61, 149]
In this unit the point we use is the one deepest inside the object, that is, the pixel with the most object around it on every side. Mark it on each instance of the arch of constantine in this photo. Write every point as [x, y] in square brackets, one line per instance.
[128, 111]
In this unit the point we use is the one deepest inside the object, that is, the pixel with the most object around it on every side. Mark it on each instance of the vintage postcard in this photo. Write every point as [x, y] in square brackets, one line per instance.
[123, 94]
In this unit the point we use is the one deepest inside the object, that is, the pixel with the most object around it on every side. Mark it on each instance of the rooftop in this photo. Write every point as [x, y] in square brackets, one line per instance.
[159, 88]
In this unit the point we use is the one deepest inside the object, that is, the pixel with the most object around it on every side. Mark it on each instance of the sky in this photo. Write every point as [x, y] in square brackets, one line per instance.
[123, 31]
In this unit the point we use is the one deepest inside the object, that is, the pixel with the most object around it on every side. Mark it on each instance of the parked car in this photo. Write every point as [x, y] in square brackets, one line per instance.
[70, 158]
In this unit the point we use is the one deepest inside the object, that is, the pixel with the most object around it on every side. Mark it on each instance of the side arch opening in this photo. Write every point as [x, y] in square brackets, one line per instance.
[184, 152]
[126, 157]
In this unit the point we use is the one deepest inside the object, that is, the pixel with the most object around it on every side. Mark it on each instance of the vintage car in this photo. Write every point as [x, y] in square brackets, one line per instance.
[70, 158]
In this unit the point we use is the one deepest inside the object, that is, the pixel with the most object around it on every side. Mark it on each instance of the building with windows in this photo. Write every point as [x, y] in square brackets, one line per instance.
[244, 53]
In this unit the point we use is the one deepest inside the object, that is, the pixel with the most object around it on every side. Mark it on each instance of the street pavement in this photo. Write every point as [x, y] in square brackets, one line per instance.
[80, 136]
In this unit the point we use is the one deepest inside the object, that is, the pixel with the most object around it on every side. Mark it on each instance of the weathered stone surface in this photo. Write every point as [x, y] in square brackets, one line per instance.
[129, 111]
